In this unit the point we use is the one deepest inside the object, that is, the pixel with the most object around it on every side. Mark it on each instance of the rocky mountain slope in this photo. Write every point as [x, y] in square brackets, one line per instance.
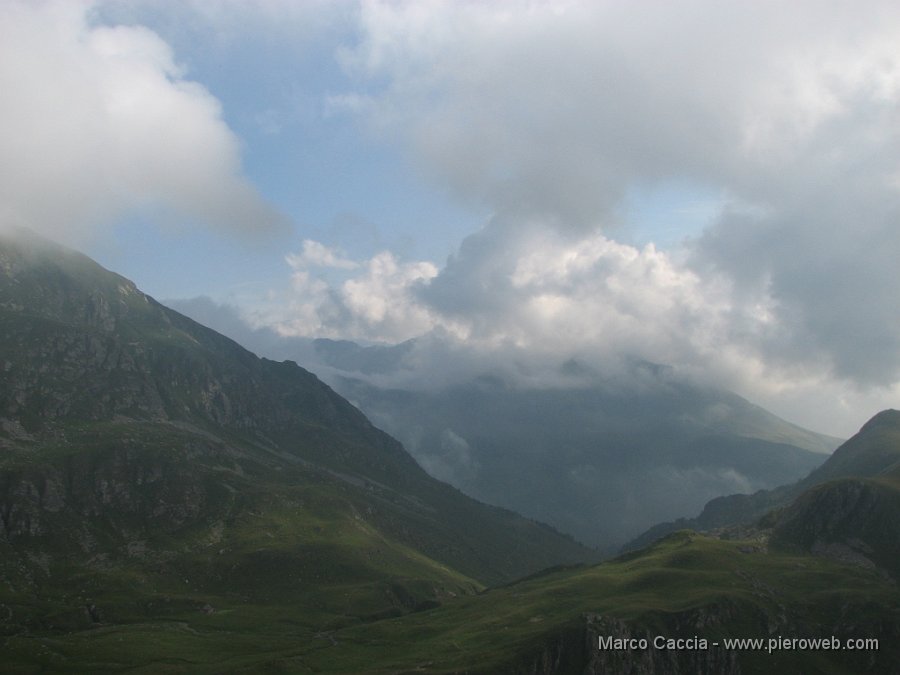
[862, 471]
[601, 462]
[150, 467]
[599, 455]
[171, 503]
[852, 512]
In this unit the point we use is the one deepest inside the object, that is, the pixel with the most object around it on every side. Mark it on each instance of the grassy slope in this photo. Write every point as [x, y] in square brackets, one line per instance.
[873, 452]
[753, 594]
[243, 555]
[94, 366]
[153, 473]
[508, 626]
[270, 533]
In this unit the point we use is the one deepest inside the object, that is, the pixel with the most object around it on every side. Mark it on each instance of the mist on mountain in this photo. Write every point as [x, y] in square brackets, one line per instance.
[601, 452]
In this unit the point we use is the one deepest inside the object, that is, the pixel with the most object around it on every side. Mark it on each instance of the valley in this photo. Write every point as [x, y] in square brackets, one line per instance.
[171, 502]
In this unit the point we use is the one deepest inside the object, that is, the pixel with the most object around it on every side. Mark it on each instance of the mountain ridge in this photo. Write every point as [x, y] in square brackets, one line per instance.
[617, 460]
[831, 510]
[171, 503]
[613, 451]
[139, 449]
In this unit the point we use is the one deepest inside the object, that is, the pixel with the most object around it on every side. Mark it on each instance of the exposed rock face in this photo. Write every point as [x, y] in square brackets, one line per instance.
[124, 424]
[852, 520]
[592, 646]
[873, 452]
[654, 661]
[128, 484]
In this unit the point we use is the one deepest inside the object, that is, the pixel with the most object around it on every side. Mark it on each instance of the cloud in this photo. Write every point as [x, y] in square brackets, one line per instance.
[826, 269]
[315, 254]
[99, 121]
[551, 293]
[333, 296]
[618, 303]
[520, 300]
[450, 459]
[548, 113]
[519, 304]
[546, 109]
[554, 108]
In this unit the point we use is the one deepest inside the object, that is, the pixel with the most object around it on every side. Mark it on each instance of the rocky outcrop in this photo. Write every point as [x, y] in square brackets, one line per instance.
[685, 642]
[602, 644]
[874, 451]
[678, 650]
[125, 425]
[122, 489]
[855, 521]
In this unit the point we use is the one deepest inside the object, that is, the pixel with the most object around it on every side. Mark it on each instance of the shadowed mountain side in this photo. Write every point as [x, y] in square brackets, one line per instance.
[599, 455]
[145, 457]
[600, 463]
[851, 519]
[872, 453]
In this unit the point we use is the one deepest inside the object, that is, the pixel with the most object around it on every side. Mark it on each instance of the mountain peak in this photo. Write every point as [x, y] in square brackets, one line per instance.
[889, 418]
[122, 420]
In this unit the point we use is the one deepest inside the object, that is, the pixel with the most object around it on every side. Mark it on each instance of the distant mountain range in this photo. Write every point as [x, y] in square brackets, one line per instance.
[600, 456]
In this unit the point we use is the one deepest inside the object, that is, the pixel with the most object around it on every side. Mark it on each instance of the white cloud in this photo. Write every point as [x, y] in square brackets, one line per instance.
[316, 254]
[546, 296]
[553, 108]
[99, 121]
[557, 294]
[333, 296]
[378, 296]
[550, 113]
[520, 306]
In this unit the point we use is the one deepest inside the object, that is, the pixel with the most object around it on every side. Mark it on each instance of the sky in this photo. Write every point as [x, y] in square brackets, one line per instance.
[710, 185]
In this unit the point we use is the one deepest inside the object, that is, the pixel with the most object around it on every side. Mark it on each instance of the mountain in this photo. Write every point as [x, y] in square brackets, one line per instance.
[601, 456]
[874, 450]
[600, 463]
[154, 470]
[171, 503]
[682, 598]
[865, 467]
[852, 510]
[848, 509]
[855, 520]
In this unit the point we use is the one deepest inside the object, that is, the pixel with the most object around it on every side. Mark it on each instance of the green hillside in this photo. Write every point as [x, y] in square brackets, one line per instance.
[614, 454]
[170, 503]
[153, 470]
[873, 452]
[852, 512]
[615, 448]
[687, 586]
